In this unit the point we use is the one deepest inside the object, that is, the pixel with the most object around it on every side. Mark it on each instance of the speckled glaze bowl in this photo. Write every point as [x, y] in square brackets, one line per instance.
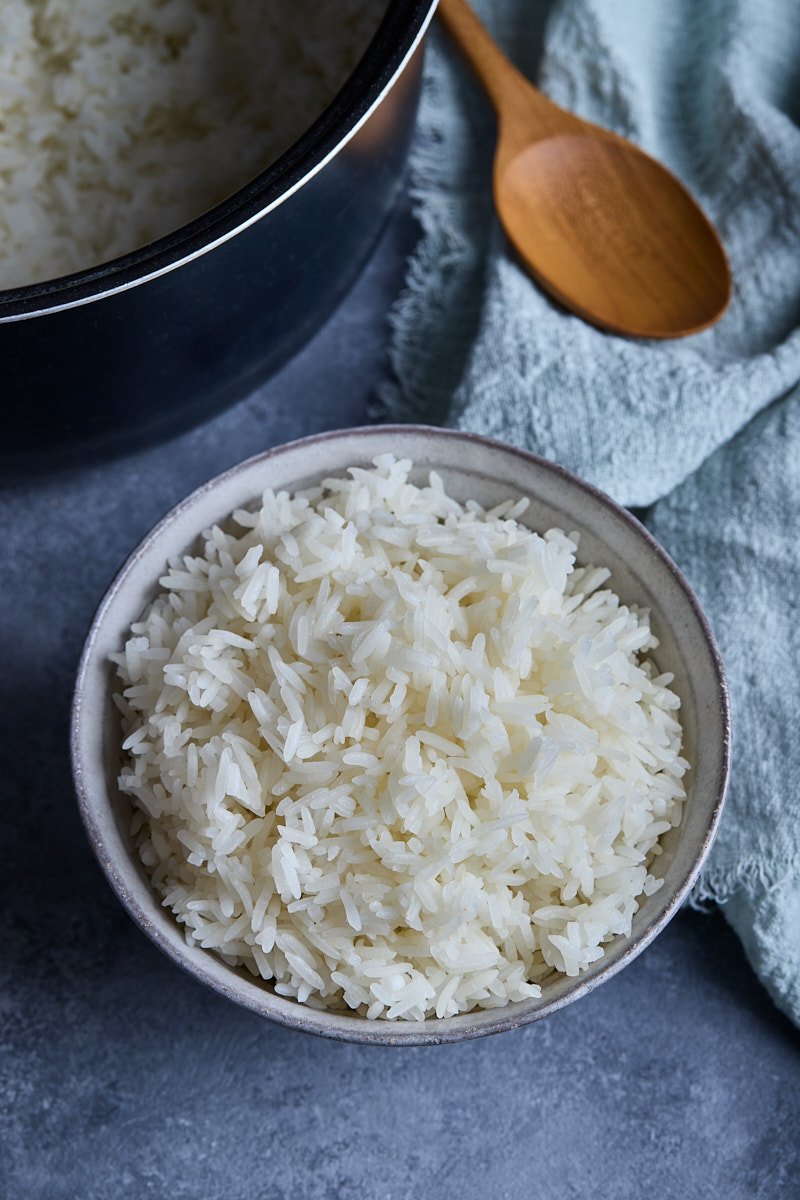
[471, 467]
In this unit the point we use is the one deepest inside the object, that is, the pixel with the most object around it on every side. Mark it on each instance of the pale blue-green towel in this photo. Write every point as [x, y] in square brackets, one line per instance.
[703, 433]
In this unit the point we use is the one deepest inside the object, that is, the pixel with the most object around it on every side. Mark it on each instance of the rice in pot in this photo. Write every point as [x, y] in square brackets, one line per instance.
[121, 120]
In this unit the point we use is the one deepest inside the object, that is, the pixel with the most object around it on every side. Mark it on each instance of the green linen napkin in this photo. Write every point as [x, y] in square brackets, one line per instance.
[703, 433]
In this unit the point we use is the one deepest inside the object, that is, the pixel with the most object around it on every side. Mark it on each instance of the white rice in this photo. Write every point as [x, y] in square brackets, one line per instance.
[120, 120]
[397, 753]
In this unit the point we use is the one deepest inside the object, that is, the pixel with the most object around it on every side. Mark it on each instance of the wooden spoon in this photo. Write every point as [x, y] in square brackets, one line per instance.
[599, 224]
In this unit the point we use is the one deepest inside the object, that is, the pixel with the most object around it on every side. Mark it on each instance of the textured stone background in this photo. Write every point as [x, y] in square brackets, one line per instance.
[121, 1078]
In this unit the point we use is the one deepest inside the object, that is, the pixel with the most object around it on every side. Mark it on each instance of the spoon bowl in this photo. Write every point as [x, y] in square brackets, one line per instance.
[603, 227]
[626, 247]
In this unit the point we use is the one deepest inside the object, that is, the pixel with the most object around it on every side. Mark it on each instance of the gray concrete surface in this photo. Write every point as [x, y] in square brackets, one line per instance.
[121, 1078]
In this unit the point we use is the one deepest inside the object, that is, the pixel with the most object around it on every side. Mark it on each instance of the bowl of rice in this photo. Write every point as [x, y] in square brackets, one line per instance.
[400, 735]
[187, 190]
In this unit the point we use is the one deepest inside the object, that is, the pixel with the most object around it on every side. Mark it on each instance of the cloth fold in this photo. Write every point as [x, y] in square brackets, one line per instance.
[704, 432]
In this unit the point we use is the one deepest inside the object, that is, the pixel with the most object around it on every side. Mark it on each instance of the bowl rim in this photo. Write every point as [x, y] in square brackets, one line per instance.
[322, 1022]
[400, 32]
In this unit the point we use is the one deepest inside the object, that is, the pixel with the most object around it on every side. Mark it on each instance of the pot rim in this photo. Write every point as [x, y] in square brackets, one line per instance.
[401, 31]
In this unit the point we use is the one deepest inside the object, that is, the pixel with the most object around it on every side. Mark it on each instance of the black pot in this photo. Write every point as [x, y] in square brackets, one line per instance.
[141, 347]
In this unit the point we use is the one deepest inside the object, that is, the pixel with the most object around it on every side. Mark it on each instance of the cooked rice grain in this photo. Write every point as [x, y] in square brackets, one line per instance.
[396, 753]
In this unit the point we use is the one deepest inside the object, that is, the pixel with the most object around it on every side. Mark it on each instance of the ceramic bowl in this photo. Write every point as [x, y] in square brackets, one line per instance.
[472, 467]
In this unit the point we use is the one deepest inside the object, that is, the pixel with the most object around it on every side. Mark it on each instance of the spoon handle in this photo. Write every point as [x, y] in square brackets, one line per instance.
[481, 50]
[508, 89]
